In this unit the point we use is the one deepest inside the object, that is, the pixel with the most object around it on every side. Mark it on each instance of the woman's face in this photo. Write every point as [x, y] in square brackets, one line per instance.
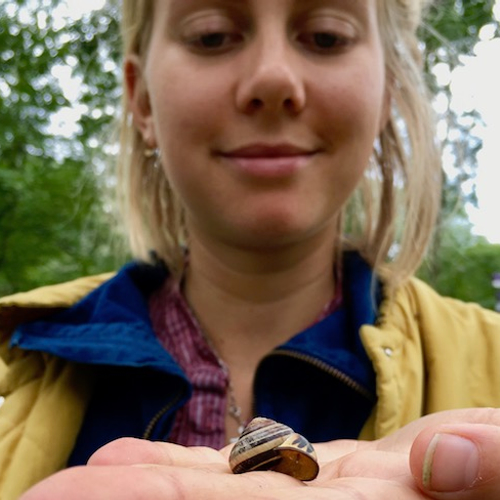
[265, 111]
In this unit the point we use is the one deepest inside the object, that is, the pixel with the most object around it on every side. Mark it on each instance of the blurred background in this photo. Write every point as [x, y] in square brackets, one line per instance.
[60, 75]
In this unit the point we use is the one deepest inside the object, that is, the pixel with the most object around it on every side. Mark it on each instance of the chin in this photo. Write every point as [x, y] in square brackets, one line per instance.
[270, 235]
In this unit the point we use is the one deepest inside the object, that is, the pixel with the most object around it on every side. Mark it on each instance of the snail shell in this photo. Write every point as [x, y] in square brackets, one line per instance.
[268, 445]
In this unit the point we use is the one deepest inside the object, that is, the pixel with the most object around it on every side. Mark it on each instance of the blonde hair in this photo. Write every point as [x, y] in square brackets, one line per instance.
[389, 219]
[153, 215]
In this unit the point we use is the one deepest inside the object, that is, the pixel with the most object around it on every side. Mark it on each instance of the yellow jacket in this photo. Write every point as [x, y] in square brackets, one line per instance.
[429, 353]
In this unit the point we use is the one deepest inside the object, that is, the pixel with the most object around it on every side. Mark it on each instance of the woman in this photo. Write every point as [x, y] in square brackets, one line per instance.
[269, 152]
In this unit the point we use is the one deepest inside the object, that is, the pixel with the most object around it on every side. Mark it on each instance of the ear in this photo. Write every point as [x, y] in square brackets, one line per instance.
[138, 99]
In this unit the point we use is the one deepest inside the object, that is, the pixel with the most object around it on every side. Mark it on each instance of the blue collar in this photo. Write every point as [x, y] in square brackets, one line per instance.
[111, 326]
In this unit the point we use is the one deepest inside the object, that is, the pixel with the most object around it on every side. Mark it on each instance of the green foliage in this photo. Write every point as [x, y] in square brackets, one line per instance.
[52, 223]
[453, 27]
[464, 266]
[54, 199]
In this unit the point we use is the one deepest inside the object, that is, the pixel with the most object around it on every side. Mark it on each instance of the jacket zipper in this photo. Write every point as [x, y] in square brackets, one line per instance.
[321, 365]
[162, 412]
[325, 367]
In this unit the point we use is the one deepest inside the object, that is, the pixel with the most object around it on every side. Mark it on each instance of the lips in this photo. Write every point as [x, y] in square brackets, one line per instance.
[268, 161]
[268, 151]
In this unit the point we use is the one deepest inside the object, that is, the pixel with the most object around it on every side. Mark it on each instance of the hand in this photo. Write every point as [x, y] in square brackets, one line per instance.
[453, 455]
[463, 460]
[115, 472]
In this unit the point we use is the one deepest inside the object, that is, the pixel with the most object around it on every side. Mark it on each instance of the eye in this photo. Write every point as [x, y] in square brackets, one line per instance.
[214, 42]
[326, 40]
[323, 41]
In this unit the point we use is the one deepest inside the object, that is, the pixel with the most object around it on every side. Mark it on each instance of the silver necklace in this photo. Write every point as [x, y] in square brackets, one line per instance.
[233, 409]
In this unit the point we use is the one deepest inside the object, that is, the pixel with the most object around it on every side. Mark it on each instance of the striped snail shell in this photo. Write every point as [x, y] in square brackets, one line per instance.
[268, 445]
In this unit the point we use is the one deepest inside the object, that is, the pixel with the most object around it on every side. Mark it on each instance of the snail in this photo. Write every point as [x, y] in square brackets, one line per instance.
[268, 445]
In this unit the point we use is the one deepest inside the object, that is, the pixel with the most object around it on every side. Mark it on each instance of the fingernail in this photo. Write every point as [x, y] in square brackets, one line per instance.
[451, 464]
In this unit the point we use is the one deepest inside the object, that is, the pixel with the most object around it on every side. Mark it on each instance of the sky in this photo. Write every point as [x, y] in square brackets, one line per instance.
[76, 8]
[475, 86]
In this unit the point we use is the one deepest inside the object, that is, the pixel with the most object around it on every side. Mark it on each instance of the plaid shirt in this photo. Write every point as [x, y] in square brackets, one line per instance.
[201, 421]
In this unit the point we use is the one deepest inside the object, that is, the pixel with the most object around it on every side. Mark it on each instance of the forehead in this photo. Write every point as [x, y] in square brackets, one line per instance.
[255, 6]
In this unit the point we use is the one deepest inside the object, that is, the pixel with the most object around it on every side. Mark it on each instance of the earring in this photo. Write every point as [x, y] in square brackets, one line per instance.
[155, 155]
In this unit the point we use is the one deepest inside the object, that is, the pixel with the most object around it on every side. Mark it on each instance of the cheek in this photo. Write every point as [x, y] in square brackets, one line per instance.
[353, 100]
[355, 114]
[191, 113]
[185, 122]
[189, 104]
[350, 117]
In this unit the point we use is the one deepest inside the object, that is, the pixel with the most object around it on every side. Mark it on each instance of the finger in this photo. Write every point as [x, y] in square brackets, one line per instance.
[342, 489]
[168, 483]
[155, 483]
[368, 464]
[402, 440]
[458, 461]
[129, 451]
[334, 450]
[98, 483]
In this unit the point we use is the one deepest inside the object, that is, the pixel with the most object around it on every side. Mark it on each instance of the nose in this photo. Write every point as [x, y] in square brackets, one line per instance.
[272, 82]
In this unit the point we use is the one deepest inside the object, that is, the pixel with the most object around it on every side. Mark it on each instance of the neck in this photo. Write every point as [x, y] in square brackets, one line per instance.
[251, 301]
[248, 302]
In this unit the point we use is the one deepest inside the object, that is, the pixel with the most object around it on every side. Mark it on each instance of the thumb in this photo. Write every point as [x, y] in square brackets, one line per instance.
[458, 462]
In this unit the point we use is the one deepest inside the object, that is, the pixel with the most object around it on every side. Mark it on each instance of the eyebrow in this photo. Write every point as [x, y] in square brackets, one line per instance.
[355, 6]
